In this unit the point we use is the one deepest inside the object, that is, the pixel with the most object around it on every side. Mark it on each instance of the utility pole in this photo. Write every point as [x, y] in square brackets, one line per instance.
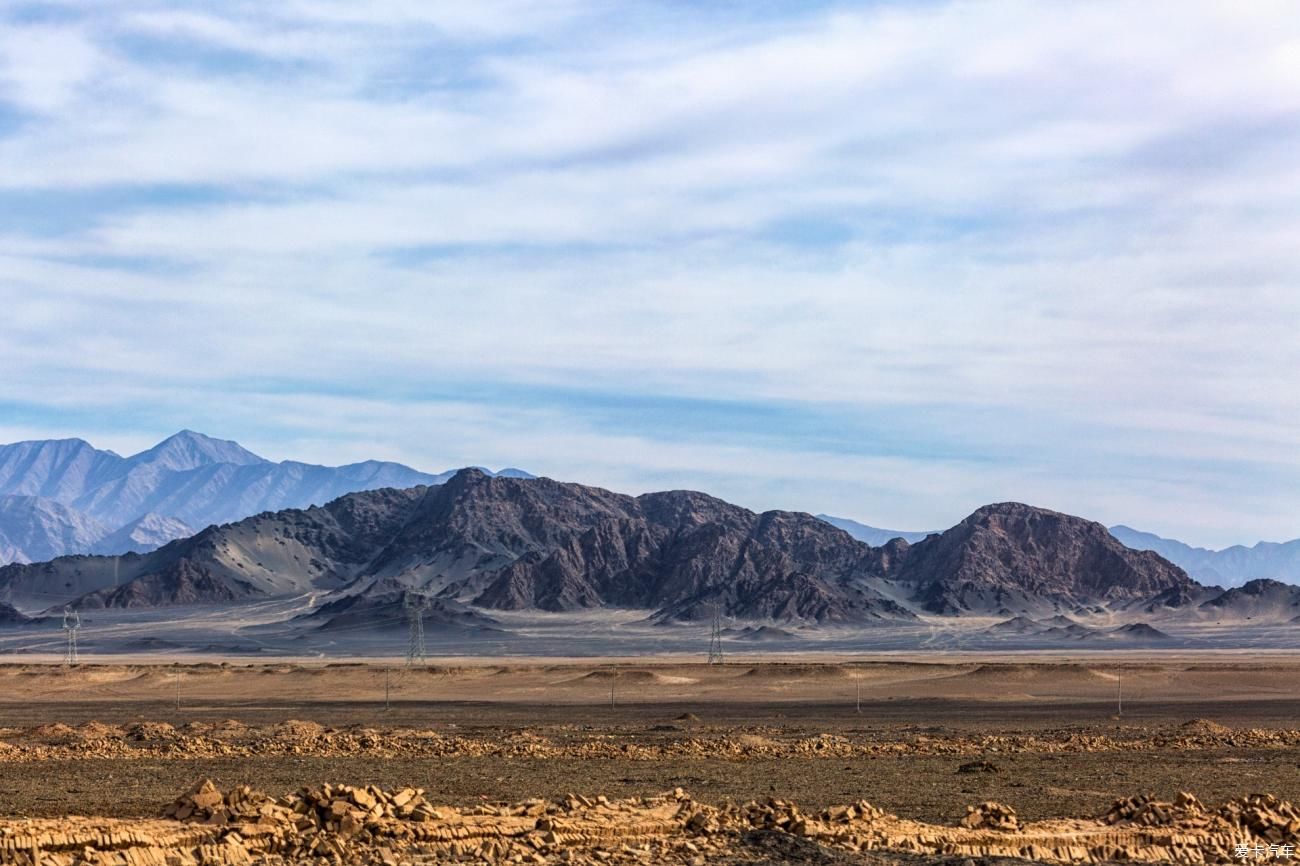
[71, 625]
[1119, 694]
[715, 637]
[416, 604]
[178, 690]
[612, 680]
[387, 706]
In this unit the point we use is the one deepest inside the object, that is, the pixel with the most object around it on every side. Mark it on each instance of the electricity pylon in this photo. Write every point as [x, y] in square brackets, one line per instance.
[416, 604]
[71, 625]
[715, 637]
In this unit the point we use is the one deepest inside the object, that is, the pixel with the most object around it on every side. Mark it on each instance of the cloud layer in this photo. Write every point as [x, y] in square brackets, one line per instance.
[885, 260]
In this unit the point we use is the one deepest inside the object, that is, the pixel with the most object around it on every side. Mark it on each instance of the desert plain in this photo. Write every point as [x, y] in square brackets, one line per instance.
[921, 738]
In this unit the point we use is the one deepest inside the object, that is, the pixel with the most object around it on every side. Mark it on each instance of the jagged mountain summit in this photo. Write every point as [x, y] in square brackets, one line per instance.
[482, 543]
[97, 501]
[1232, 566]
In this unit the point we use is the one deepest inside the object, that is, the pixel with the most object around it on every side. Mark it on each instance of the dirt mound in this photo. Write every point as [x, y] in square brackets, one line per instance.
[296, 729]
[631, 677]
[150, 732]
[56, 732]
[1204, 726]
[97, 732]
[1056, 674]
[755, 742]
[800, 672]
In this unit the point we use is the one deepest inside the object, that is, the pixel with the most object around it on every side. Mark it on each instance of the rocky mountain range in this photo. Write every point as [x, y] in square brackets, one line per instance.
[64, 496]
[484, 546]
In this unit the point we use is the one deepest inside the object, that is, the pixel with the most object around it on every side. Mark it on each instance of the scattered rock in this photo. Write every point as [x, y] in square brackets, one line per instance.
[991, 816]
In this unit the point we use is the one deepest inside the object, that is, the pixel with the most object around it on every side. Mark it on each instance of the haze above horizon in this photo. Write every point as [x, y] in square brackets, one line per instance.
[886, 261]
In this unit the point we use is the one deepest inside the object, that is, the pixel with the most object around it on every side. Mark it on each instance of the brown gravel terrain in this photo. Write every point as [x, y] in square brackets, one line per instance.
[107, 741]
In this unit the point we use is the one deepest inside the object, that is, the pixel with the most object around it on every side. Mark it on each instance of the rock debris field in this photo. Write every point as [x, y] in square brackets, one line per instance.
[369, 825]
[234, 739]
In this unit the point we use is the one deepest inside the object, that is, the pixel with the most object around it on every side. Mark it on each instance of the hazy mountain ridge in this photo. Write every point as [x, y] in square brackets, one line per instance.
[872, 535]
[35, 529]
[95, 501]
[1231, 566]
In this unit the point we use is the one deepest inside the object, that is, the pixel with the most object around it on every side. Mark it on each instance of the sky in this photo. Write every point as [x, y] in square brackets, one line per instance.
[889, 261]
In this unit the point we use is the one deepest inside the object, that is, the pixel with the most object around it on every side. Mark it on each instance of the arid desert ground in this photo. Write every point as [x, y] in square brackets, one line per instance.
[920, 739]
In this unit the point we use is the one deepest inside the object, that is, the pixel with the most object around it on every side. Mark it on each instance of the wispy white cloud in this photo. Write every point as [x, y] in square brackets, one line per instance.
[1064, 233]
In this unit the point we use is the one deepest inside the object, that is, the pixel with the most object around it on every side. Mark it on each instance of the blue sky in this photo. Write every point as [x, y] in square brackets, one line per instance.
[887, 260]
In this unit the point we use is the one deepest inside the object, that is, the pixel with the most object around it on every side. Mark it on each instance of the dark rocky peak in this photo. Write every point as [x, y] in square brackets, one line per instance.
[678, 508]
[1017, 555]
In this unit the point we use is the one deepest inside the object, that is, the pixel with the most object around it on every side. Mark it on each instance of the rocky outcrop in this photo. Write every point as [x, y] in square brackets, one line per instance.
[10, 615]
[1013, 558]
[182, 582]
[1269, 600]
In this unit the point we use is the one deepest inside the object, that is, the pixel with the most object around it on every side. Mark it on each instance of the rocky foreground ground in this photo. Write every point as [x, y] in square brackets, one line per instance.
[681, 738]
[337, 824]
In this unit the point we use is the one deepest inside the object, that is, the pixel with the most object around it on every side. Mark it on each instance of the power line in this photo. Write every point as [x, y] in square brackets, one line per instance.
[416, 604]
[715, 637]
[71, 625]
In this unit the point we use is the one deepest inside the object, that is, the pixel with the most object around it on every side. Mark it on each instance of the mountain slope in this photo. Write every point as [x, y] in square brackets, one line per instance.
[33, 529]
[145, 533]
[1232, 566]
[57, 469]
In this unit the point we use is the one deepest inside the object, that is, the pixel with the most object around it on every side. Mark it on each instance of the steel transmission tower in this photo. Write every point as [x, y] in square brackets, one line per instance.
[715, 637]
[416, 604]
[71, 625]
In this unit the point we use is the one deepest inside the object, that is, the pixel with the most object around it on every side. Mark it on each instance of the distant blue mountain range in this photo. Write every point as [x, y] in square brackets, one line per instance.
[65, 496]
[871, 534]
[1232, 566]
